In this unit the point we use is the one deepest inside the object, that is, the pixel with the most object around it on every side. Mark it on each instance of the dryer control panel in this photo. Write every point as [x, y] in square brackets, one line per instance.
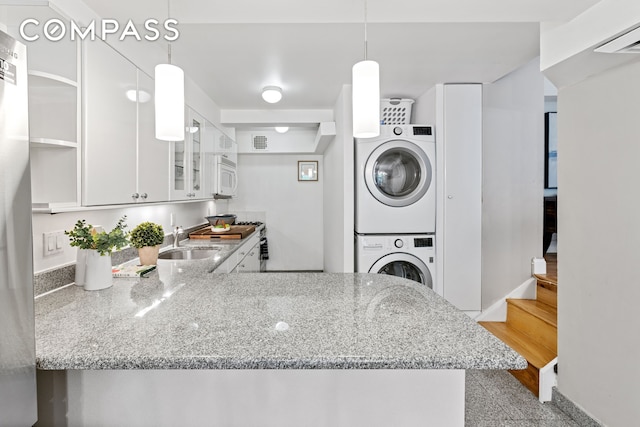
[422, 130]
[423, 242]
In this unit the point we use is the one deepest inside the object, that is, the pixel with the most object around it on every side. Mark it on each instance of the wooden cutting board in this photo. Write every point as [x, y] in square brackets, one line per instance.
[236, 232]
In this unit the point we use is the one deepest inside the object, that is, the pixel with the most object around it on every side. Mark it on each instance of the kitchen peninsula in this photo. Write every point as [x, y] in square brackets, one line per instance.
[190, 347]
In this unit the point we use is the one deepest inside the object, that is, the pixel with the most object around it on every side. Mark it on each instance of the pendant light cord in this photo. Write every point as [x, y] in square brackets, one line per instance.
[169, 17]
[365, 30]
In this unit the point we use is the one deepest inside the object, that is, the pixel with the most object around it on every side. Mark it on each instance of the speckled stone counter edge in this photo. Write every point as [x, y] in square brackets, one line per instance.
[47, 281]
[189, 363]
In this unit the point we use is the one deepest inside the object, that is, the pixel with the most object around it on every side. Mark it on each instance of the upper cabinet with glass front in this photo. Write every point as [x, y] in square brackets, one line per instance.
[187, 160]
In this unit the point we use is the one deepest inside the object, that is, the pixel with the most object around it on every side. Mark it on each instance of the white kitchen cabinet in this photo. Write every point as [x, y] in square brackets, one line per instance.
[210, 137]
[123, 162]
[109, 125]
[226, 147]
[246, 259]
[460, 147]
[226, 167]
[250, 263]
[187, 160]
[53, 113]
[54, 124]
[153, 154]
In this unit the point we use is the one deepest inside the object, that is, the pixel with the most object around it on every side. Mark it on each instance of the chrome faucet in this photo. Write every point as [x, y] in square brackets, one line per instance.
[176, 235]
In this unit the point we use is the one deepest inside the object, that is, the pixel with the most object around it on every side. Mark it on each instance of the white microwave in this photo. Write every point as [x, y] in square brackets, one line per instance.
[226, 182]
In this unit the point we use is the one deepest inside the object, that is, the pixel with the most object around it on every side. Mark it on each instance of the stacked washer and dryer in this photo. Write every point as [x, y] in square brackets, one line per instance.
[395, 207]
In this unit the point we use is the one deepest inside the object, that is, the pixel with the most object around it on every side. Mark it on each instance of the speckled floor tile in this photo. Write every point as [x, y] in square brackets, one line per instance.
[528, 409]
[479, 405]
[494, 398]
[520, 423]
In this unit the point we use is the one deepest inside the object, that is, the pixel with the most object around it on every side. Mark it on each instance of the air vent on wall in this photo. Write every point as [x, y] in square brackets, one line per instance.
[626, 43]
[259, 143]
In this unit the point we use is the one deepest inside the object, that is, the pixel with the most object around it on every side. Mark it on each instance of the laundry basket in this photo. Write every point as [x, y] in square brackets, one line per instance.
[395, 111]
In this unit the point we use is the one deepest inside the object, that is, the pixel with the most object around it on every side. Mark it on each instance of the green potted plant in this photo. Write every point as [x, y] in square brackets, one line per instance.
[96, 248]
[147, 237]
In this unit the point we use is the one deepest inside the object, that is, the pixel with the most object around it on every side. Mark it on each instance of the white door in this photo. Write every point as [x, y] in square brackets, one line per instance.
[398, 173]
[462, 195]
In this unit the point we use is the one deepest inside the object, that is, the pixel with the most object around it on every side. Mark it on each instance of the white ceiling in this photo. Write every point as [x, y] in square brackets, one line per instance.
[233, 48]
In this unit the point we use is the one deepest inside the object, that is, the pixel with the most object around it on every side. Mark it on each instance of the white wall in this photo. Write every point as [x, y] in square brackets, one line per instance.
[598, 212]
[269, 183]
[185, 214]
[513, 180]
[424, 109]
[339, 191]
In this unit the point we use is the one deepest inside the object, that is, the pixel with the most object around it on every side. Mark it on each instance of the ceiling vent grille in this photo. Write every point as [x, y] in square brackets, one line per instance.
[259, 143]
[626, 43]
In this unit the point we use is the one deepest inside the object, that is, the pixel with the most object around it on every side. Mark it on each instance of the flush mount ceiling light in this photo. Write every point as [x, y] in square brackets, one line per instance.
[169, 103]
[282, 129]
[272, 94]
[366, 93]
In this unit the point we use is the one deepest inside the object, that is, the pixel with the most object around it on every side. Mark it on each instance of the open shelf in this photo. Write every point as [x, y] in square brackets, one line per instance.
[51, 143]
[43, 79]
[62, 207]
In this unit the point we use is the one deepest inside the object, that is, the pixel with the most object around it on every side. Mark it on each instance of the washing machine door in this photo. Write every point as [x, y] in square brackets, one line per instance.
[404, 265]
[398, 173]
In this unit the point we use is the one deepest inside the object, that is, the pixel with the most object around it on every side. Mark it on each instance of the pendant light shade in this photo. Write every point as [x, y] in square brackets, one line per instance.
[169, 102]
[365, 82]
[366, 99]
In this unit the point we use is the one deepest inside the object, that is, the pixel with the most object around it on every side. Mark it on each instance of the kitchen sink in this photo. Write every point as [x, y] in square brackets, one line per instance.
[187, 253]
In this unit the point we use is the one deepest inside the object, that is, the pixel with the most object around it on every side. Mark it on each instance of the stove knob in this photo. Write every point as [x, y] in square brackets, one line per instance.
[397, 131]
[398, 243]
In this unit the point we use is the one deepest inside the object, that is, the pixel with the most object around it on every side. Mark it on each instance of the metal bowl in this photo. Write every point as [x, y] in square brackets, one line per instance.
[218, 219]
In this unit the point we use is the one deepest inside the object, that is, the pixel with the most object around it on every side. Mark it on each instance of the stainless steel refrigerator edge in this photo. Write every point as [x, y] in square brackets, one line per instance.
[18, 406]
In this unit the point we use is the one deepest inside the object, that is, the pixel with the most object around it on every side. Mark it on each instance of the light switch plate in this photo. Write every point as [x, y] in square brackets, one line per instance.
[53, 242]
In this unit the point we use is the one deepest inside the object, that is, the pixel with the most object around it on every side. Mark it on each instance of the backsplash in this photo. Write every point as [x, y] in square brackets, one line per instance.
[55, 278]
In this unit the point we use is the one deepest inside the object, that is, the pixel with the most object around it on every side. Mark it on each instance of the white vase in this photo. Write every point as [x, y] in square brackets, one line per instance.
[98, 271]
[81, 264]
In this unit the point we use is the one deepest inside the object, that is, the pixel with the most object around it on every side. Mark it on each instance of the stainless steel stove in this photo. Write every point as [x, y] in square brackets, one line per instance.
[264, 246]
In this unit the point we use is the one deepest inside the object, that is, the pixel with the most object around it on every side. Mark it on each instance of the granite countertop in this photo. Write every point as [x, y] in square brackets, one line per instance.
[183, 317]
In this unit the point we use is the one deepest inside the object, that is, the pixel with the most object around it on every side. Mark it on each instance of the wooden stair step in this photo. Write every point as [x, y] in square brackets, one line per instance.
[547, 293]
[540, 310]
[543, 278]
[536, 355]
[535, 319]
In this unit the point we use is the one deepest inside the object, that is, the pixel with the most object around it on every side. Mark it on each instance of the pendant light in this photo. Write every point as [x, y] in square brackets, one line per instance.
[169, 102]
[366, 93]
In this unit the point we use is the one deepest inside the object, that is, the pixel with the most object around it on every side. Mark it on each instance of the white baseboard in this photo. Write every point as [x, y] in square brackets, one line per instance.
[473, 314]
[498, 311]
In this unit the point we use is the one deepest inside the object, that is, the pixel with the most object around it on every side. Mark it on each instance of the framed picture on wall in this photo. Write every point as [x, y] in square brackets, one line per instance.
[307, 170]
[551, 150]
